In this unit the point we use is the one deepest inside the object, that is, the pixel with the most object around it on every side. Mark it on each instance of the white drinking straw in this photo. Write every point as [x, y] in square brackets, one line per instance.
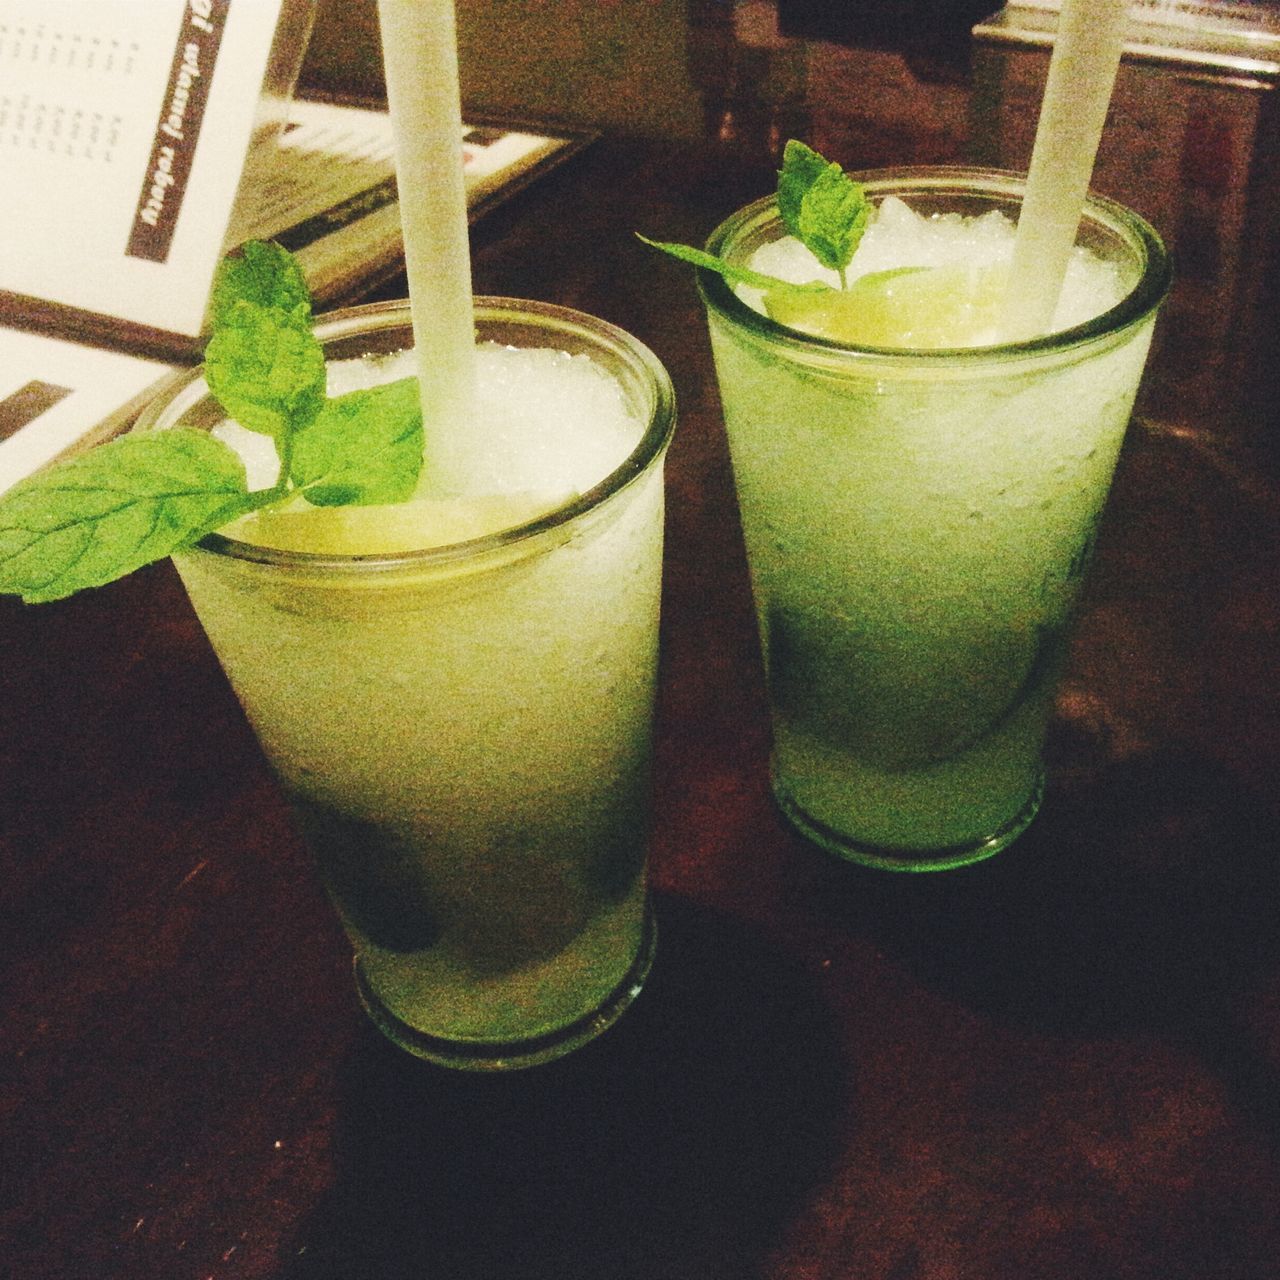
[1082, 72]
[420, 58]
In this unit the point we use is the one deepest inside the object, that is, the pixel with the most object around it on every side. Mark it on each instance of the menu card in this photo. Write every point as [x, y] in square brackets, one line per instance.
[140, 140]
[57, 395]
[124, 130]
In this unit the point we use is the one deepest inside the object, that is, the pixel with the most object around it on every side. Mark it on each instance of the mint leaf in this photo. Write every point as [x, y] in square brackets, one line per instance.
[733, 274]
[126, 503]
[266, 368]
[260, 273]
[833, 216]
[802, 166]
[364, 447]
[114, 509]
[821, 206]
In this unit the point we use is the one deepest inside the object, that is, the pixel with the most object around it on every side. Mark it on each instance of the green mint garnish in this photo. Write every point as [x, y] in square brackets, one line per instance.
[820, 205]
[266, 369]
[114, 509]
[263, 274]
[364, 449]
[120, 506]
[732, 273]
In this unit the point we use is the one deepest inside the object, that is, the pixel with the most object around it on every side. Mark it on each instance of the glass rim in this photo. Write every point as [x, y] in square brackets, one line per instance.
[1140, 302]
[592, 333]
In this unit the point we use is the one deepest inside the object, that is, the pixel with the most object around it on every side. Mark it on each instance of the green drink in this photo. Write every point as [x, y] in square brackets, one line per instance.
[457, 697]
[919, 503]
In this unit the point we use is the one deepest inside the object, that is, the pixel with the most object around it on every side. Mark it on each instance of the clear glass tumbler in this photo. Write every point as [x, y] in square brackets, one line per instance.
[917, 524]
[464, 732]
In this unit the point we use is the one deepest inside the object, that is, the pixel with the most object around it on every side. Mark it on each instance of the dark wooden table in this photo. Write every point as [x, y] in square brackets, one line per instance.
[1059, 1064]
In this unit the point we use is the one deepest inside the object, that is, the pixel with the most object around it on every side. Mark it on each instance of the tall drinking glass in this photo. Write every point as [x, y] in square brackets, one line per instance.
[917, 524]
[464, 730]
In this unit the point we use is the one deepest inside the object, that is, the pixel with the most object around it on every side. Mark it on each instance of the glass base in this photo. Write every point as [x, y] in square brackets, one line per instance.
[512, 1055]
[891, 859]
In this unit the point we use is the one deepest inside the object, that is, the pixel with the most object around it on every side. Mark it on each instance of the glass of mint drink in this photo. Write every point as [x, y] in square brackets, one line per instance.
[919, 497]
[457, 693]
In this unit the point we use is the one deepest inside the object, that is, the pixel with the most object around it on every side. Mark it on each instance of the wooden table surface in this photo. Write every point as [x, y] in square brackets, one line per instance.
[1062, 1063]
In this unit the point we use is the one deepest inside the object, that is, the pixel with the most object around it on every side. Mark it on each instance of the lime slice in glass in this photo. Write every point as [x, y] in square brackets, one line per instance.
[910, 307]
[381, 530]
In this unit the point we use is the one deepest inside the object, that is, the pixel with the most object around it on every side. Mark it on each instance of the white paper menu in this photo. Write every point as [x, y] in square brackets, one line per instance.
[124, 130]
[140, 140]
[69, 395]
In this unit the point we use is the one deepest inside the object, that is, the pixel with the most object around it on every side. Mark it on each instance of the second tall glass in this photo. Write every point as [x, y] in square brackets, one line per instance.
[918, 523]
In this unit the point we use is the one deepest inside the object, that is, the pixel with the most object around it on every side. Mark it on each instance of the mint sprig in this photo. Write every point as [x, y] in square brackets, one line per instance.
[97, 517]
[820, 205]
